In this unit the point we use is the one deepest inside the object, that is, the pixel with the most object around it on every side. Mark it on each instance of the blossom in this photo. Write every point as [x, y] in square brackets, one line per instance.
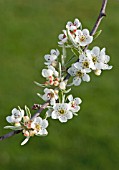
[74, 103]
[62, 85]
[63, 38]
[99, 58]
[83, 37]
[52, 57]
[62, 112]
[40, 125]
[16, 116]
[73, 26]
[51, 95]
[79, 75]
[84, 63]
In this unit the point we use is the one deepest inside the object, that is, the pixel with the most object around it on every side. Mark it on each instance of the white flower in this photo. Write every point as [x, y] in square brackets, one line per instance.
[51, 95]
[99, 58]
[74, 103]
[55, 73]
[84, 63]
[83, 37]
[47, 73]
[16, 116]
[40, 125]
[62, 112]
[79, 75]
[73, 26]
[62, 85]
[63, 38]
[52, 57]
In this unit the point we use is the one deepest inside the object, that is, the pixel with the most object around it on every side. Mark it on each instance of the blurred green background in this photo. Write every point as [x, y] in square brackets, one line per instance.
[28, 30]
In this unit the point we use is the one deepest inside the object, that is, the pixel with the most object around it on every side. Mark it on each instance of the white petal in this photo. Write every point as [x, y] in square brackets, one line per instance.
[47, 57]
[42, 132]
[86, 78]
[78, 100]
[76, 81]
[54, 115]
[96, 51]
[62, 119]
[44, 124]
[70, 97]
[25, 141]
[69, 115]
[9, 119]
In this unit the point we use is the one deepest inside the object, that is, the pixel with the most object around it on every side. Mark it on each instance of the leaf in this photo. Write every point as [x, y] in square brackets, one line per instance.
[75, 51]
[28, 113]
[96, 35]
[67, 91]
[13, 127]
[38, 84]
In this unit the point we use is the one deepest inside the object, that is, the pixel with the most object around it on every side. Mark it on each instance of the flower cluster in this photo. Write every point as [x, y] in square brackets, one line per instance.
[62, 105]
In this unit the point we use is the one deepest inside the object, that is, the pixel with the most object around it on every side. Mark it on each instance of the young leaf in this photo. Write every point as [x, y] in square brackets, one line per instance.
[96, 35]
[27, 112]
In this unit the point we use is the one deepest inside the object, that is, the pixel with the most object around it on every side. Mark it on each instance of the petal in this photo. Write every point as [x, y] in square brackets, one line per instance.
[47, 57]
[9, 119]
[69, 115]
[96, 51]
[54, 115]
[44, 124]
[25, 141]
[70, 97]
[63, 119]
[78, 100]
[76, 81]
[77, 23]
[86, 78]
[85, 32]
[42, 132]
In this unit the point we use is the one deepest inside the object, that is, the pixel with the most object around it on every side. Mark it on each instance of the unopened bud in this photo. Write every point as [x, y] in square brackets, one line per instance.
[62, 85]
[97, 72]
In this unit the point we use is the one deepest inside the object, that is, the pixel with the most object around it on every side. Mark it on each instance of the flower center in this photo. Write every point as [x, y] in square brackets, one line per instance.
[86, 64]
[38, 127]
[62, 111]
[82, 38]
[94, 59]
[79, 74]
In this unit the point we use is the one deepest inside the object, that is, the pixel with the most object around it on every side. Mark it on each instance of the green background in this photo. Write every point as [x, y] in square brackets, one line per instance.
[28, 30]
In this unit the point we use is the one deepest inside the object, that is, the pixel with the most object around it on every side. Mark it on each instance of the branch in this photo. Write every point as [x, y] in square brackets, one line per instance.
[98, 21]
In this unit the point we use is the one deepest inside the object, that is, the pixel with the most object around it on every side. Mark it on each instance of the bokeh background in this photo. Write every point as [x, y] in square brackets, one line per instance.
[28, 30]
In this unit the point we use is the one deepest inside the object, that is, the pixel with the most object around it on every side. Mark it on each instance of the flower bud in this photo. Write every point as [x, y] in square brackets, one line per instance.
[26, 133]
[26, 118]
[17, 124]
[97, 72]
[56, 83]
[62, 85]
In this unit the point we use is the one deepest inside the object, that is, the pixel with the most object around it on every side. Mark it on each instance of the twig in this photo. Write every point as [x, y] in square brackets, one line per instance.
[98, 21]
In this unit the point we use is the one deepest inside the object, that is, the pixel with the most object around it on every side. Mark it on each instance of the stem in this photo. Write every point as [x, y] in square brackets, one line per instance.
[97, 23]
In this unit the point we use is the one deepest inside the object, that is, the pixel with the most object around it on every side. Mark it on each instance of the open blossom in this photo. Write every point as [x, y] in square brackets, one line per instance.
[47, 73]
[51, 95]
[63, 38]
[84, 63]
[74, 103]
[16, 116]
[83, 37]
[40, 125]
[79, 75]
[52, 57]
[73, 26]
[99, 58]
[62, 112]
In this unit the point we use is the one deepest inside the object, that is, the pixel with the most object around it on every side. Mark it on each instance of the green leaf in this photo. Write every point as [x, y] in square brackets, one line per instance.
[27, 112]
[13, 127]
[67, 91]
[38, 84]
[97, 34]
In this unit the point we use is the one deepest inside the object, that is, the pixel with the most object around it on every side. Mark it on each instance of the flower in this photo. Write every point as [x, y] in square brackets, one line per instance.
[74, 103]
[84, 63]
[99, 58]
[52, 57]
[40, 125]
[79, 75]
[63, 38]
[73, 26]
[47, 73]
[51, 95]
[62, 112]
[83, 37]
[16, 116]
